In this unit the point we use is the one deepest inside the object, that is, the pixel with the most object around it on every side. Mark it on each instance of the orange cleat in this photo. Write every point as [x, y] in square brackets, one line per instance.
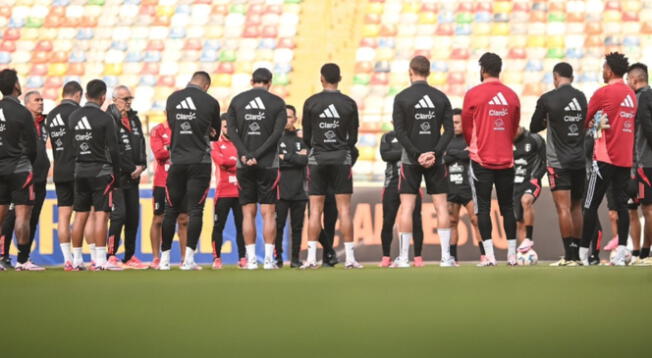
[217, 264]
[385, 262]
[418, 261]
[135, 263]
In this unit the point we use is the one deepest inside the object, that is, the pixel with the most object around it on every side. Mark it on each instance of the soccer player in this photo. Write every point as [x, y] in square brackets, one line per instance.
[133, 161]
[61, 139]
[194, 119]
[420, 114]
[18, 153]
[563, 111]
[615, 105]
[159, 141]
[97, 167]
[390, 152]
[490, 119]
[459, 192]
[327, 233]
[293, 158]
[637, 79]
[225, 157]
[256, 121]
[529, 159]
[330, 128]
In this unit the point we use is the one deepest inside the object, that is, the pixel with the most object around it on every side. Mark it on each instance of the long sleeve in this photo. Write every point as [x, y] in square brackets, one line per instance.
[271, 142]
[538, 121]
[156, 144]
[517, 119]
[353, 127]
[467, 118]
[388, 152]
[220, 159]
[215, 124]
[306, 125]
[645, 117]
[296, 159]
[232, 126]
[114, 148]
[400, 127]
[540, 169]
[29, 138]
[455, 154]
[594, 105]
[449, 130]
[142, 153]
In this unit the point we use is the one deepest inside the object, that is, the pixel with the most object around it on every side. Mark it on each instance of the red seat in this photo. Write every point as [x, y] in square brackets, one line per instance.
[225, 67]
[269, 31]
[59, 56]
[54, 82]
[368, 42]
[166, 81]
[251, 32]
[445, 30]
[7, 46]
[76, 69]
[274, 9]
[150, 68]
[286, 42]
[460, 54]
[156, 45]
[255, 9]
[364, 67]
[38, 70]
[11, 34]
[381, 79]
[40, 57]
[43, 45]
[193, 44]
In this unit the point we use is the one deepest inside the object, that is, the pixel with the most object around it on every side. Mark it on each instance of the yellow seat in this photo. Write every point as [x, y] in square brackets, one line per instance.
[57, 69]
[113, 69]
[504, 7]
[163, 10]
[500, 29]
[370, 30]
[536, 41]
[555, 42]
[375, 8]
[223, 80]
[428, 18]
[438, 78]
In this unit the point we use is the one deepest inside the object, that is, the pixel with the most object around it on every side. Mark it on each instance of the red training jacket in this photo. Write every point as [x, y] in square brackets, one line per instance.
[225, 157]
[490, 119]
[616, 145]
[159, 140]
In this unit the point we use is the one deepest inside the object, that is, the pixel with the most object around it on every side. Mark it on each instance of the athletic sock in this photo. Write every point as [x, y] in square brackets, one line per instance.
[312, 252]
[575, 246]
[77, 258]
[404, 240]
[100, 255]
[23, 253]
[65, 250]
[165, 257]
[445, 242]
[93, 253]
[251, 253]
[489, 249]
[528, 232]
[511, 247]
[454, 252]
[583, 254]
[568, 250]
[645, 252]
[269, 252]
[348, 249]
[635, 253]
[189, 259]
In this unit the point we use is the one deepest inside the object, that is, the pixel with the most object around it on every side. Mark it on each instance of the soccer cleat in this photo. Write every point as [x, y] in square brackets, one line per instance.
[448, 263]
[400, 263]
[252, 265]
[29, 266]
[418, 262]
[573, 263]
[155, 264]
[295, 264]
[115, 262]
[511, 260]
[163, 266]
[636, 261]
[620, 257]
[330, 260]
[385, 262]
[525, 246]
[612, 244]
[562, 262]
[242, 263]
[309, 265]
[111, 265]
[5, 264]
[648, 260]
[356, 265]
[190, 266]
[67, 266]
[594, 260]
[488, 262]
[217, 264]
[279, 263]
[270, 265]
[135, 263]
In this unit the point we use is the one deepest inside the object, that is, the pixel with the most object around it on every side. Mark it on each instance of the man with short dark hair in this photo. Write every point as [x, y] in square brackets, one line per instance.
[96, 171]
[637, 79]
[194, 119]
[18, 153]
[612, 111]
[563, 111]
[61, 139]
[255, 124]
[490, 118]
[423, 121]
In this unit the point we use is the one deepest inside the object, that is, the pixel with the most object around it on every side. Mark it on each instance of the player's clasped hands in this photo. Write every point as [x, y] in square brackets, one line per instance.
[427, 159]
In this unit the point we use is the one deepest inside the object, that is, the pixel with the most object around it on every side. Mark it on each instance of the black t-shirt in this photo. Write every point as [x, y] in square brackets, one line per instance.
[61, 139]
[390, 152]
[563, 112]
[457, 162]
[191, 113]
[330, 128]
[17, 137]
[529, 157]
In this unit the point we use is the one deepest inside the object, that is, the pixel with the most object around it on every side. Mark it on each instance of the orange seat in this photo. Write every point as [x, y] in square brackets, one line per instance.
[38, 70]
[11, 34]
[76, 69]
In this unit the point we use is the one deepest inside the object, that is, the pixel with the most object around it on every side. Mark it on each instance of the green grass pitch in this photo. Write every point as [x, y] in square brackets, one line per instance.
[535, 311]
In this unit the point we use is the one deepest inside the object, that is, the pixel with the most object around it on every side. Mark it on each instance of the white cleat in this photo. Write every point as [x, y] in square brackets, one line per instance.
[620, 259]
[448, 263]
[270, 265]
[252, 265]
[191, 266]
[29, 266]
[525, 246]
[111, 266]
[400, 263]
[356, 265]
[511, 260]
[164, 264]
[487, 262]
[309, 265]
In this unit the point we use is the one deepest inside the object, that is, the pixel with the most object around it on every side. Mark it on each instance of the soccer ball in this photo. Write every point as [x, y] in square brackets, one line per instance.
[527, 258]
[628, 256]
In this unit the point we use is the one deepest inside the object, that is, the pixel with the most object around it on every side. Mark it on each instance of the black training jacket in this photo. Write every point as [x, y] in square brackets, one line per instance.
[17, 137]
[390, 152]
[61, 139]
[529, 157]
[643, 152]
[563, 112]
[191, 113]
[131, 142]
[292, 167]
[457, 162]
[255, 123]
[41, 166]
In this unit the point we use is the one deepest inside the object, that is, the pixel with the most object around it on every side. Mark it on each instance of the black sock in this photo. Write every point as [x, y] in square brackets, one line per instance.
[575, 246]
[528, 232]
[636, 253]
[568, 251]
[23, 253]
[645, 252]
[481, 248]
[454, 251]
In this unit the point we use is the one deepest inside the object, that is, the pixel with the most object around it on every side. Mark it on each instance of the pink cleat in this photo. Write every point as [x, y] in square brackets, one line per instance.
[217, 264]
[385, 262]
[67, 266]
[612, 244]
[112, 264]
[353, 265]
[242, 263]
[525, 246]
[135, 263]
[486, 262]
[155, 264]
[29, 266]
[115, 261]
[418, 262]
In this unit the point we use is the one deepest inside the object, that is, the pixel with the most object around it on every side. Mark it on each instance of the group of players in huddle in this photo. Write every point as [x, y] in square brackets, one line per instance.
[601, 147]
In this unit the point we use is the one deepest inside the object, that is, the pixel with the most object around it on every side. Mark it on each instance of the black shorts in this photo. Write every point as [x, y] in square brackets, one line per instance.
[435, 178]
[258, 185]
[65, 193]
[17, 188]
[460, 195]
[330, 179]
[519, 191]
[568, 179]
[94, 192]
[159, 201]
[645, 185]
[632, 203]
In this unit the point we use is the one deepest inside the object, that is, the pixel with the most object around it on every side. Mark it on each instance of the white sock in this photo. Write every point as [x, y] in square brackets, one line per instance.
[348, 250]
[66, 251]
[584, 254]
[511, 247]
[404, 240]
[269, 252]
[100, 255]
[251, 253]
[445, 242]
[77, 258]
[190, 256]
[165, 257]
[489, 249]
[92, 248]
[312, 252]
